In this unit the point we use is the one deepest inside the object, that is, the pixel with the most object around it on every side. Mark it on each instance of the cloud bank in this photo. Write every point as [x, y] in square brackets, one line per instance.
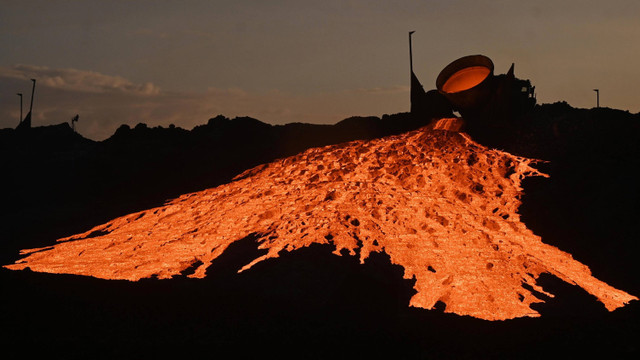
[104, 102]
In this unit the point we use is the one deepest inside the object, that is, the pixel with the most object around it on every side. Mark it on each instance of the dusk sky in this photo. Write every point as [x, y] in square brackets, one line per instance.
[183, 62]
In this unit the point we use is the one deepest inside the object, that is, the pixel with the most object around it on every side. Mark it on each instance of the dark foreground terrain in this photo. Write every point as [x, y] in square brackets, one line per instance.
[309, 303]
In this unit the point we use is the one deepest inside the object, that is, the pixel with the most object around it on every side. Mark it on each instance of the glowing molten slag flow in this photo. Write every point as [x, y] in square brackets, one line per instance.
[440, 205]
[465, 79]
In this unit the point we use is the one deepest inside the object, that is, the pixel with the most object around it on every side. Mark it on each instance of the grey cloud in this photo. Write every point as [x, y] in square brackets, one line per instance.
[77, 80]
[105, 102]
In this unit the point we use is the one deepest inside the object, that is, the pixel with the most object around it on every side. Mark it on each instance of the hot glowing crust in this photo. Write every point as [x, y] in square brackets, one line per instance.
[439, 204]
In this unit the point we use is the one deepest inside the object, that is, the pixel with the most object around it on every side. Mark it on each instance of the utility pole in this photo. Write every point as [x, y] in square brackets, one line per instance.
[20, 120]
[410, 53]
[597, 97]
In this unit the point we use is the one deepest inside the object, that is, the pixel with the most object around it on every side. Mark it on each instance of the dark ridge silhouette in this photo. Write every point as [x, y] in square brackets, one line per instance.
[309, 303]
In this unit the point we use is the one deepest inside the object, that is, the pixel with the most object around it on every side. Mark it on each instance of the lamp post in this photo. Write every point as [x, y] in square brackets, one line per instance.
[597, 97]
[410, 53]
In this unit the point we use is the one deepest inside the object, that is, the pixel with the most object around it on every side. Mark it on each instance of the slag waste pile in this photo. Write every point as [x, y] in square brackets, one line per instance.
[440, 205]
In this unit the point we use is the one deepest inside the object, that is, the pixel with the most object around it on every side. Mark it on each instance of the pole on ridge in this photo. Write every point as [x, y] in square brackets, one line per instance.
[410, 52]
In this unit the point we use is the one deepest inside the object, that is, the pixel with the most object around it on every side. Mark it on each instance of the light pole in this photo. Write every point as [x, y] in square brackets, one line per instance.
[597, 97]
[20, 120]
[410, 53]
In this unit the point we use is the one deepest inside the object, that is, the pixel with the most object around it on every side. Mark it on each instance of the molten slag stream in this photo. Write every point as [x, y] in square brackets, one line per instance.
[439, 204]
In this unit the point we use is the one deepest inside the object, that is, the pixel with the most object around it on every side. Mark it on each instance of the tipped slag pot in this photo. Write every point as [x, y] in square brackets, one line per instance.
[467, 83]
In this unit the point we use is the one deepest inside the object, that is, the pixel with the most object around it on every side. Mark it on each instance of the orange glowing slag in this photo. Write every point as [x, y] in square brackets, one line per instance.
[440, 205]
[465, 79]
